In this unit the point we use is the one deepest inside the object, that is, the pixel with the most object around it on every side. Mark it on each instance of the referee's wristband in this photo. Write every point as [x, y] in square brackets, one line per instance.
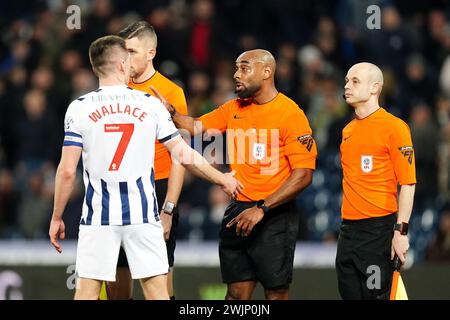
[402, 228]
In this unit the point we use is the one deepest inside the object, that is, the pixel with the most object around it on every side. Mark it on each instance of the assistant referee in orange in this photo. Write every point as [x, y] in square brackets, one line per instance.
[377, 155]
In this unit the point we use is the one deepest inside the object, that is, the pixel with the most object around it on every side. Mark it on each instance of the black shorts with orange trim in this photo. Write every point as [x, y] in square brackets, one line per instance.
[267, 254]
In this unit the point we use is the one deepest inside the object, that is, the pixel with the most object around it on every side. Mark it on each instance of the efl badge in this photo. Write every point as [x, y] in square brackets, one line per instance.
[366, 163]
[259, 151]
[407, 152]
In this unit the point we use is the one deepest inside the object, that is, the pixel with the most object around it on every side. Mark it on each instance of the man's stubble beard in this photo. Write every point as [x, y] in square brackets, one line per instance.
[248, 92]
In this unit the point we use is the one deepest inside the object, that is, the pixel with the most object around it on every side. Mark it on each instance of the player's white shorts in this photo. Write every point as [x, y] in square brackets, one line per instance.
[98, 250]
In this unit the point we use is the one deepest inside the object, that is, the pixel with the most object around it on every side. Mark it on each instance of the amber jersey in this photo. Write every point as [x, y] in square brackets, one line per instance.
[376, 155]
[175, 95]
[265, 142]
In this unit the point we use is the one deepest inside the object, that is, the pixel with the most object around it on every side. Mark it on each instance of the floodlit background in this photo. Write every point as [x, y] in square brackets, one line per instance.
[44, 65]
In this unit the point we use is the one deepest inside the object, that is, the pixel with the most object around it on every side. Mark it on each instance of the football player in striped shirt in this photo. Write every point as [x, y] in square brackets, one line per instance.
[114, 129]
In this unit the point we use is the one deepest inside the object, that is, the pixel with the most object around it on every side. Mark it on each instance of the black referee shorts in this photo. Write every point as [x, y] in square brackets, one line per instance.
[363, 260]
[161, 191]
[267, 255]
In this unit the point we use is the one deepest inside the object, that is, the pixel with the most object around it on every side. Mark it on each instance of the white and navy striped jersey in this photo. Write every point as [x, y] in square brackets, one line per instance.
[116, 128]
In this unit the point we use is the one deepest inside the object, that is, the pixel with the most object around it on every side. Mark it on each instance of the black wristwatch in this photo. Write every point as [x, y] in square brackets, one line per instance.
[402, 228]
[262, 205]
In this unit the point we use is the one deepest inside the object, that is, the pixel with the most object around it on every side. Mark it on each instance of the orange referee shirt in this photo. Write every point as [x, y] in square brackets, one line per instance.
[175, 95]
[376, 155]
[265, 142]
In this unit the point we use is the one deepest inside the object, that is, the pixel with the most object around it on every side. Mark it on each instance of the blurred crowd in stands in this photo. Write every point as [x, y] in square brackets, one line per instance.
[44, 66]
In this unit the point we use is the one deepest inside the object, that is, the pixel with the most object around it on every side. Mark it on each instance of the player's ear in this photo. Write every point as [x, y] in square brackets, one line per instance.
[122, 65]
[94, 71]
[151, 53]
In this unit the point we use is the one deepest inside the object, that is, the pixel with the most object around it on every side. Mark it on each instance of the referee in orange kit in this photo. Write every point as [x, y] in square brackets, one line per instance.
[271, 149]
[376, 155]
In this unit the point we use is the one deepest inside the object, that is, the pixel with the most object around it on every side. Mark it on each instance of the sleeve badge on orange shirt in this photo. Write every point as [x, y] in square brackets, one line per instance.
[407, 152]
[306, 140]
[366, 163]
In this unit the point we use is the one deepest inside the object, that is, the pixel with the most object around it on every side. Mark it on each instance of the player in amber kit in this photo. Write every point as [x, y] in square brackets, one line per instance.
[141, 41]
[376, 155]
[273, 153]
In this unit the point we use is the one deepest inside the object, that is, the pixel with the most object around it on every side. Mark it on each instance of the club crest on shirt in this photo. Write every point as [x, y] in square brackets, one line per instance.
[306, 140]
[407, 152]
[366, 163]
[259, 151]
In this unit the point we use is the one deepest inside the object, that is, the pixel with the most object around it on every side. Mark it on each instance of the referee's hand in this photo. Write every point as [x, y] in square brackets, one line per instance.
[246, 221]
[400, 246]
[57, 230]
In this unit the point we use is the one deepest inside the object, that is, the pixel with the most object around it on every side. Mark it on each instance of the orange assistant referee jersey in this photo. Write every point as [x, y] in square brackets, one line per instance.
[376, 155]
[265, 142]
[175, 95]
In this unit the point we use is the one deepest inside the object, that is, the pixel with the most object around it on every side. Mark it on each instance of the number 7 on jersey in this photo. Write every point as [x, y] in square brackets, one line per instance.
[127, 130]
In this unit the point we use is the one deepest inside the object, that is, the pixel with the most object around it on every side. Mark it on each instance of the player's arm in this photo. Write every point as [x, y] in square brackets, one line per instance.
[64, 182]
[174, 186]
[177, 171]
[198, 165]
